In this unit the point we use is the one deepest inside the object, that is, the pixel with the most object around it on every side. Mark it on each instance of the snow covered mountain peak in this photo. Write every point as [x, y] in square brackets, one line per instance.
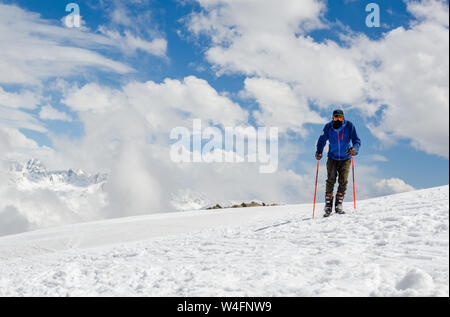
[34, 166]
[34, 171]
[34, 196]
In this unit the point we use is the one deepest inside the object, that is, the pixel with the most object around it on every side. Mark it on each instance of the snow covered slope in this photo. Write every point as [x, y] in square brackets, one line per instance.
[392, 246]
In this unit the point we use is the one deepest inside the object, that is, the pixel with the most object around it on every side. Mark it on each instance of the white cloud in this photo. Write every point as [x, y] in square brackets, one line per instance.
[434, 10]
[244, 42]
[93, 97]
[164, 106]
[392, 186]
[24, 100]
[13, 136]
[119, 16]
[14, 118]
[141, 111]
[132, 187]
[49, 113]
[280, 106]
[173, 101]
[14, 145]
[34, 49]
[225, 20]
[406, 70]
[129, 43]
[125, 27]
[29, 206]
[378, 158]
[132, 143]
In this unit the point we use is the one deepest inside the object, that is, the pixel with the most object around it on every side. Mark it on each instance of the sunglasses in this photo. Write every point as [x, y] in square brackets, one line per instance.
[338, 118]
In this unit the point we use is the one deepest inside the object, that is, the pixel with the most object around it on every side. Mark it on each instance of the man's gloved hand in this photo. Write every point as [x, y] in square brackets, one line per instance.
[351, 151]
[318, 155]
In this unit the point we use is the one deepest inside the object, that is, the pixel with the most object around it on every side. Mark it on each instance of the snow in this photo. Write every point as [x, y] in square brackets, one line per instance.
[391, 246]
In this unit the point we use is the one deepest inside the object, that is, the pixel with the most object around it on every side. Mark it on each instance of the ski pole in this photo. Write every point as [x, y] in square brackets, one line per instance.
[315, 189]
[353, 174]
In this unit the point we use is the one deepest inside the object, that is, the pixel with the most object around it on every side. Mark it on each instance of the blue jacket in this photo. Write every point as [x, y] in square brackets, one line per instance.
[339, 140]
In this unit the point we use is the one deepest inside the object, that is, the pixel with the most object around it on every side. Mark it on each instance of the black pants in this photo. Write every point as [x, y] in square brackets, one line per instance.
[339, 170]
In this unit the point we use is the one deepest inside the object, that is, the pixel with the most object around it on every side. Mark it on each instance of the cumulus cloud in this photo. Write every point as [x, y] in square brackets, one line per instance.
[94, 98]
[163, 106]
[243, 42]
[280, 106]
[20, 147]
[132, 141]
[24, 100]
[434, 10]
[49, 113]
[392, 186]
[224, 20]
[407, 72]
[401, 78]
[132, 145]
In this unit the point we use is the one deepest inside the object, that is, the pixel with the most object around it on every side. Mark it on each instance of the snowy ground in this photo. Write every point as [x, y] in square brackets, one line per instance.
[393, 246]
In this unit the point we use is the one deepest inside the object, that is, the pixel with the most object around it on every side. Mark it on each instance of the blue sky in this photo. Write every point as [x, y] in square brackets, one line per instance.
[186, 55]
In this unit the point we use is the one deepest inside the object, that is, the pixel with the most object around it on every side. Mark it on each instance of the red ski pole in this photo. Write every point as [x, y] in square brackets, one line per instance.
[315, 189]
[353, 174]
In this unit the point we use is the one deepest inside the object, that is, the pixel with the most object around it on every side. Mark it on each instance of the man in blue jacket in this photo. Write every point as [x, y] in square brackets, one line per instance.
[340, 133]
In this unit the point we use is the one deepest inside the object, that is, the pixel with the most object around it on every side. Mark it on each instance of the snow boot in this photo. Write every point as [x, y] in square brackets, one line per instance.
[328, 205]
[338, 205]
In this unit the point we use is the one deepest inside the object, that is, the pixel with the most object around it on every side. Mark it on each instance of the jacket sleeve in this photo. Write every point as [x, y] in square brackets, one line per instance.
[356, 142]
[322, 139]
